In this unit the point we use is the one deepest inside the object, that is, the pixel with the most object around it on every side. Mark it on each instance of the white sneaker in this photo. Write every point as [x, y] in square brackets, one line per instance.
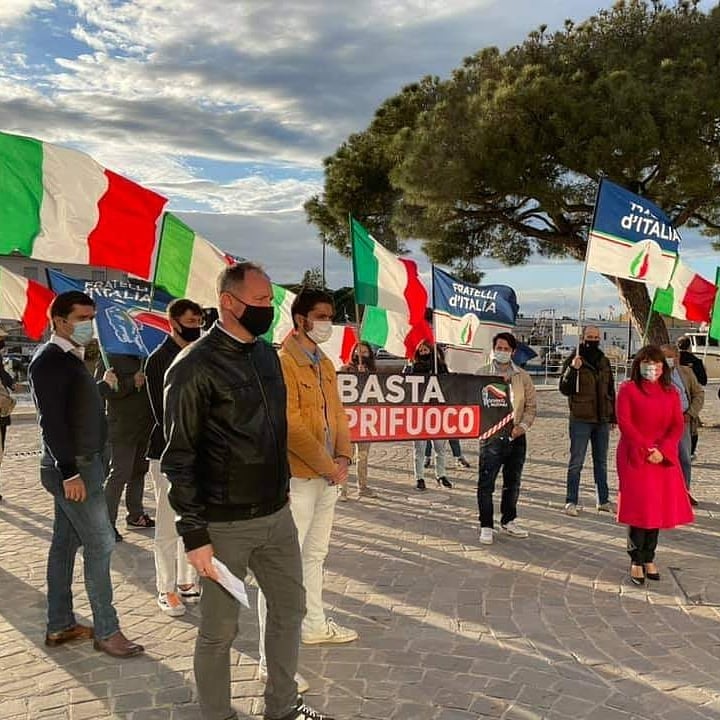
[571, 509]
[514, 530]
[333, 633]
[486, 536]
[302, 683]
[190, 596]
[171, 604]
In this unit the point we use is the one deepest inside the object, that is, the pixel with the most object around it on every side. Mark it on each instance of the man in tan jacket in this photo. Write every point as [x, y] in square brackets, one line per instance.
[507, 449]
[319, 451]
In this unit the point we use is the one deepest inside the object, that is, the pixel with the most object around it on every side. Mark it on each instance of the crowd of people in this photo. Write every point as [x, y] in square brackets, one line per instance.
[249, 450]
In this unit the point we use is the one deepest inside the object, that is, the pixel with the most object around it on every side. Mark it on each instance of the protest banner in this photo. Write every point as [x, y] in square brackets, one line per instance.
[395, 407]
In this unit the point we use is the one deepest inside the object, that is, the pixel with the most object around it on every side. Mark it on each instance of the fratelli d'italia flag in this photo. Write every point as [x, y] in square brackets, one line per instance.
[392, 286]
[631, 237]
[59, 205]
[688, 297]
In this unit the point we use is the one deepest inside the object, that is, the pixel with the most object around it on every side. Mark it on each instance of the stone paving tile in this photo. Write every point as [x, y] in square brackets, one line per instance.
[547, 628]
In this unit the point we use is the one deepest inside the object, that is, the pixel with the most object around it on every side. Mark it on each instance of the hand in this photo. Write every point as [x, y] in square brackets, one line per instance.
[577, 362]
[613, 426]
[339, 475]
[75, 489]
[517, 431]
[139, 379]
[655, 456]
[201, 559]
[111, 379]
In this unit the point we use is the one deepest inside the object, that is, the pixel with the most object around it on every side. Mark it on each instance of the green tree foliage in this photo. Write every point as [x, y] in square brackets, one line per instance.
[502, 159]
[313, 278]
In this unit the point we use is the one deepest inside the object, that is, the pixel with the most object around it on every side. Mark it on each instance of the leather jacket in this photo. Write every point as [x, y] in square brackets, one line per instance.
[226, 429]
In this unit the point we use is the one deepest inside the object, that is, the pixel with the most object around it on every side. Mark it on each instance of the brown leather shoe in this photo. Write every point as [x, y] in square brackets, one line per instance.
[118, 646]
[76, 632]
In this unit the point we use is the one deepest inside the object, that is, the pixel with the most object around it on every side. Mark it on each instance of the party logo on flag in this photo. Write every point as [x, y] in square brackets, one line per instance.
[495, 395]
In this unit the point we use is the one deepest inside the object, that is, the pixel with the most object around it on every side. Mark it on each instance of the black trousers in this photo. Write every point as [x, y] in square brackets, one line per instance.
[693, 443]
[641, 544]
[499, 454]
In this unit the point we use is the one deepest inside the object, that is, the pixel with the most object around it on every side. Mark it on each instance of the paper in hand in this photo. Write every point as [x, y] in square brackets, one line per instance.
[233, 584]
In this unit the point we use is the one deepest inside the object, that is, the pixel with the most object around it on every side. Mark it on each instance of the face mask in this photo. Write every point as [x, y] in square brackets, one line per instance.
[502, 357]
[257, 319]
[650, 371]
[592, 344]
[670, 362]
[321, 331]
[189, 334]
[82, 332]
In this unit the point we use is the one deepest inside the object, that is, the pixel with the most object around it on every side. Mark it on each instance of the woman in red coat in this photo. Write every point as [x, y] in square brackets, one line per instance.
[652, 493]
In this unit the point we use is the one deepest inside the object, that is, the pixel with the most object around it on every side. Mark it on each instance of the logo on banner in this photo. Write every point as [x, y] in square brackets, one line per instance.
[468, 329]
[495, 396]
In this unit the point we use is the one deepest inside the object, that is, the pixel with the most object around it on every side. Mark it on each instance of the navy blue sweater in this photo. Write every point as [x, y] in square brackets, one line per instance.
[71, 413]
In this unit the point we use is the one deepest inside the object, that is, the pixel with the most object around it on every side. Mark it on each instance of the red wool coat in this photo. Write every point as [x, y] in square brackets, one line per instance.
[650, 496]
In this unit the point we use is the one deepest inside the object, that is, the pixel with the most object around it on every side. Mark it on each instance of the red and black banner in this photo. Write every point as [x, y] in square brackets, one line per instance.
[415, 407]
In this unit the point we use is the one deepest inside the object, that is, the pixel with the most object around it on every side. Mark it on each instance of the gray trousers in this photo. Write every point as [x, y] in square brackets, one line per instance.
[685, 453]
[128, 468]
[269, 547]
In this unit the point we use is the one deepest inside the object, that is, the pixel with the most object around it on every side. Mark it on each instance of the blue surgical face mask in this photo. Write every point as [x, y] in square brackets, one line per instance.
[82, 332]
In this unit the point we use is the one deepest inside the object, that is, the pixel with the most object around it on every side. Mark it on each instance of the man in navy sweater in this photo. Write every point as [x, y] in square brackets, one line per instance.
[74, 431]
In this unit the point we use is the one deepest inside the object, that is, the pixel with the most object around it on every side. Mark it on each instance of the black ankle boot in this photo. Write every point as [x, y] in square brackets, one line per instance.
[444, 482]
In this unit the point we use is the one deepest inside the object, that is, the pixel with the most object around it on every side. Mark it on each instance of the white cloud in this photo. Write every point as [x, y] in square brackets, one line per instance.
[13, 11]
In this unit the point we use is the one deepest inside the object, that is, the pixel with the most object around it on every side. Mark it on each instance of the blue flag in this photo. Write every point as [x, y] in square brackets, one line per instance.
[632, 237]
[125, 321]
[466, 315]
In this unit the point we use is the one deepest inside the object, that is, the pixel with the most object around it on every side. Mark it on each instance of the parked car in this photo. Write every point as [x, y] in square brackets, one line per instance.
[387, 363]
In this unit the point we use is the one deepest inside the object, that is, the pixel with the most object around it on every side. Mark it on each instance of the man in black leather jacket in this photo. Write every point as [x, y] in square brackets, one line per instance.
[226, 459]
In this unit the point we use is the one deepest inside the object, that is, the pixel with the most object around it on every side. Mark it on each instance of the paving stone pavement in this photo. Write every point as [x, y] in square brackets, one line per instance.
[543, 628]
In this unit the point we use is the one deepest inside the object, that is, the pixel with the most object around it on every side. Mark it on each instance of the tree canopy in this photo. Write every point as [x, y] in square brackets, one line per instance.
[502, 159]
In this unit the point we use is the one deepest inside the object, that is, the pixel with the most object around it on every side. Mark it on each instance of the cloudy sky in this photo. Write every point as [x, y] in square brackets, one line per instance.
[229, 106]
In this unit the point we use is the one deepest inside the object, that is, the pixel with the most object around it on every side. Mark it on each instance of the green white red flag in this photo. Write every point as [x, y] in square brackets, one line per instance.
[25, 300]
[392, 286]
[188, 265]
[689, 296]
[59, 205]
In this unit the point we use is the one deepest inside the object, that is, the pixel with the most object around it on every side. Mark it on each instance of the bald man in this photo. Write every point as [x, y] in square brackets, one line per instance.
[588, 383]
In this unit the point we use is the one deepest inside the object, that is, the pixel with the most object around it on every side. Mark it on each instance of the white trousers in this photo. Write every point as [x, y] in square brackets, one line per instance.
[171, 565]
[312, 504]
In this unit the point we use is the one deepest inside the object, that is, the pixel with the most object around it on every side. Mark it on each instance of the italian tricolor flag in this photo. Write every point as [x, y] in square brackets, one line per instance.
[25, 300]
[392, 286]
[689, 296]
[59, 205]
[282, 320]
[188, 265]
[340, 346]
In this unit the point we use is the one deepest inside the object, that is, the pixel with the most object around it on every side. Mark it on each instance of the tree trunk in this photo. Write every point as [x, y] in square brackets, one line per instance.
[637, 301]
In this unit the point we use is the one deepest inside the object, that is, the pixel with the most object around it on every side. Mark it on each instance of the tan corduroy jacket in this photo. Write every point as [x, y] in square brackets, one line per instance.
[522, 394]
[317, 424]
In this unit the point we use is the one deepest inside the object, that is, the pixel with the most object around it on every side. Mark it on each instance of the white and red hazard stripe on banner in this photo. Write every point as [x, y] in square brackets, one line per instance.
[414, 407]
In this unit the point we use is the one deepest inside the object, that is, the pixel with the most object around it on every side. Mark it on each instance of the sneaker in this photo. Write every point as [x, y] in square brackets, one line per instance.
[302, 683]
[486, 536]
[514, 530]
[144, 522]
[191, 595]
[171, 604]
[571, 509]
[442, 481]
[304, 712]
[605, 507]
[426, 464]
[333, 633]
[367, 492]
[420, 485]
[461, 462]
[343, 496]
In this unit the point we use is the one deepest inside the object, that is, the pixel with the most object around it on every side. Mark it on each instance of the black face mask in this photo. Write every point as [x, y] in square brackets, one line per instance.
[189, 334]
[257, 319]
[592, 345]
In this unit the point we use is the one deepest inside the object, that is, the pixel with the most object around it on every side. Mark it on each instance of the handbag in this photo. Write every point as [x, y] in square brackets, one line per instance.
[7, 402]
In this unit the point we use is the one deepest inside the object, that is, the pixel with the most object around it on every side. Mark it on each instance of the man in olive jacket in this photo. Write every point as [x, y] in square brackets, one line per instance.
[588, 383]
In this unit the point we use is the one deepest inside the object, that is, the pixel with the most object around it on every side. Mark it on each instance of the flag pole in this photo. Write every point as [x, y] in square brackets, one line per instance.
[352, 260]
[432, 299]
[583, 282]
[649, 318]
[151, 301]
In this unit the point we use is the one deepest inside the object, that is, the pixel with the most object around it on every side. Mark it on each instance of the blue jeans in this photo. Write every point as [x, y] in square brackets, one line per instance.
[80, 523]
[685, 452]
[582, 433]
[454, 448]
[497, 453]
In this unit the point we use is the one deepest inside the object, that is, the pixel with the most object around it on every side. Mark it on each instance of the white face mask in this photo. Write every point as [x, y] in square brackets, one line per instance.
[321, 331]
[670, 362]
[502, 357]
